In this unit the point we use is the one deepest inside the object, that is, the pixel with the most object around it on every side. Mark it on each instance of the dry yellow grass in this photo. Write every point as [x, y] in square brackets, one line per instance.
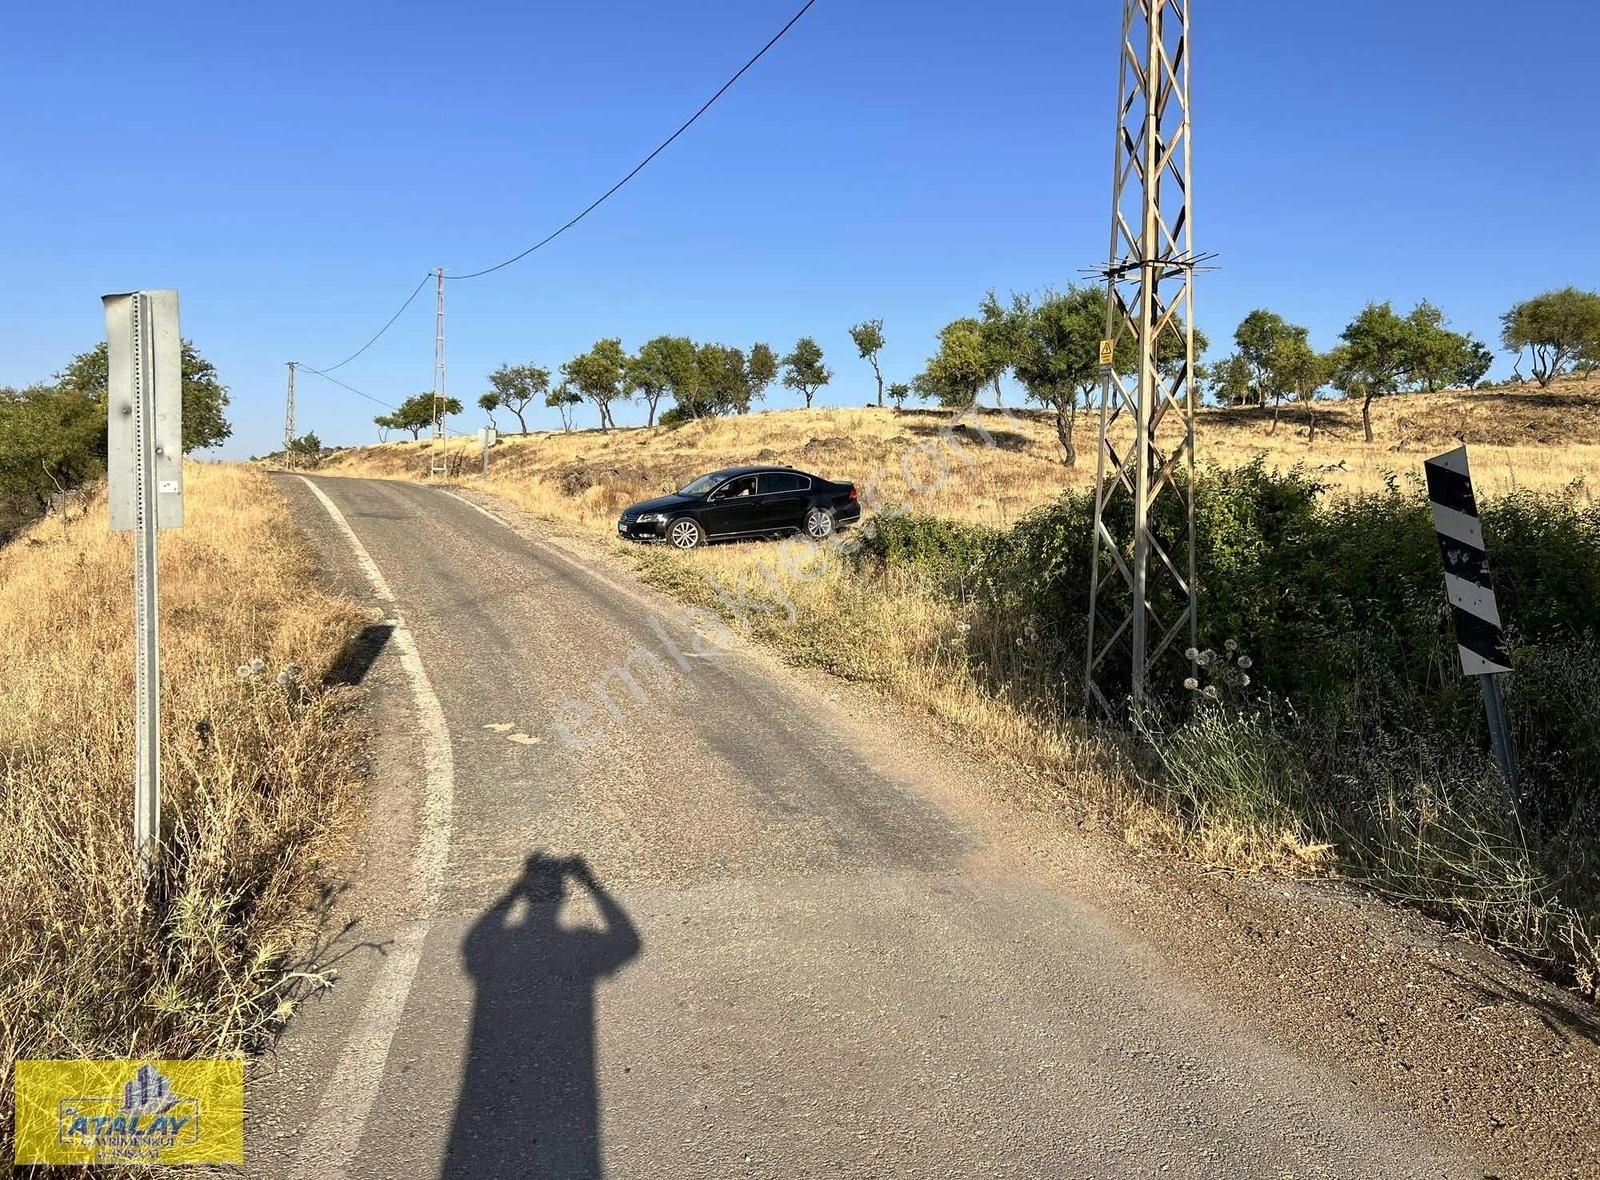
[1545, 440]
[259, 782]
[990, 471]
[982, 678]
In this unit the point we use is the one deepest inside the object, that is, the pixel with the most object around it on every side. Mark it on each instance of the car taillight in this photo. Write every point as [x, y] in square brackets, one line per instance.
[852, 491]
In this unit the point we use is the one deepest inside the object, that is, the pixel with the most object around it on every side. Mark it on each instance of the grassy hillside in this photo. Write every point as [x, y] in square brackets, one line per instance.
[1520, 438]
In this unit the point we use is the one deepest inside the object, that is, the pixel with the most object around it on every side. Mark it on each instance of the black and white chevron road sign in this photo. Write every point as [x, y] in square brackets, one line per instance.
[1480, 640]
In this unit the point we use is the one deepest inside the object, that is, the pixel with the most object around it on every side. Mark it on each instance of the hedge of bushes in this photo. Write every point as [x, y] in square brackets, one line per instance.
[1339, 606]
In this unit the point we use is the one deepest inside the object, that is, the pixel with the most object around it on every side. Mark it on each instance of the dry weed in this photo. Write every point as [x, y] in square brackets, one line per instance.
[260, 789]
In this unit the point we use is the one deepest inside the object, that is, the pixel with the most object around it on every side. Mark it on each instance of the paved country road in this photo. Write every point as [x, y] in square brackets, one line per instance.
[736, 929]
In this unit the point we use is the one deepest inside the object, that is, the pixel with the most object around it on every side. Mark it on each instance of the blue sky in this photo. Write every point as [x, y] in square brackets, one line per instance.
[293, 169]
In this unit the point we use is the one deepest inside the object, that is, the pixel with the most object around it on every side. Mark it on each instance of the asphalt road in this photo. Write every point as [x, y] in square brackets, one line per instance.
[764, 934]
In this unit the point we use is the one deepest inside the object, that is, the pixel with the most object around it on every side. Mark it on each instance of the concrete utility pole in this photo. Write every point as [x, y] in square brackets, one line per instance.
[437, 465]
[1142, 592]
[288, 410]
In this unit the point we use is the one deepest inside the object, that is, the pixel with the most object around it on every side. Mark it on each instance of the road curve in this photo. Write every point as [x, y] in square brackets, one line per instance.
[793, 952]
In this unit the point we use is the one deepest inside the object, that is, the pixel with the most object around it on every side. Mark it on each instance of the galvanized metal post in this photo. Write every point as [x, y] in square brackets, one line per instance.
[1142, 593]
[146, 597]
[145, 489]
[1505, 751]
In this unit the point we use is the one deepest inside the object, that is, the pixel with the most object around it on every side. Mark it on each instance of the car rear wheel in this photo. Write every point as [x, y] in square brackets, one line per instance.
[685, 533]
[819, 524]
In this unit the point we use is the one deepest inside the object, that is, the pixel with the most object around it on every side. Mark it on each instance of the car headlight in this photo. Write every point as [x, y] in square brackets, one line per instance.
[653, 518]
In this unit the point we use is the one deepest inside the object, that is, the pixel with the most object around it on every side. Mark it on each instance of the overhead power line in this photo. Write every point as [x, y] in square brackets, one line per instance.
[640, 166]
[379, 333]
[324, 375]
[552, 236]
[448, 433]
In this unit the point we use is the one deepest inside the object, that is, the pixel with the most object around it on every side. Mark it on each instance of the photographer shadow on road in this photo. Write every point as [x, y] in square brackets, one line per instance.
[529, 1099]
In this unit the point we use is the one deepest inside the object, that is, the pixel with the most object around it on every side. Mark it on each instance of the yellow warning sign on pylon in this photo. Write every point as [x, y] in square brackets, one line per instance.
[1107, 347]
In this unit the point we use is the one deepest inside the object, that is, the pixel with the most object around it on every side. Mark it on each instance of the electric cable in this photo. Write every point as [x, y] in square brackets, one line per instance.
[640, 166]
[380, 332]
[323, 374]
[590, 208]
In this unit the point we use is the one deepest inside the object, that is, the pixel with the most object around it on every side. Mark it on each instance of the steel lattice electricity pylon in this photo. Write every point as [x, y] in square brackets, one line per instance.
[288, 409]
[1142, 592]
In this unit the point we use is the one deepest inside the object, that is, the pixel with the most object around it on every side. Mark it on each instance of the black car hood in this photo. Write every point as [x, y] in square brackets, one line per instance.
[662, 504]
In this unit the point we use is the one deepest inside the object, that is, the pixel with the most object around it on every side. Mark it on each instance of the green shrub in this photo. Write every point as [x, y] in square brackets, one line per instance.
[1340, 603]
[948, 553]
[51, 440]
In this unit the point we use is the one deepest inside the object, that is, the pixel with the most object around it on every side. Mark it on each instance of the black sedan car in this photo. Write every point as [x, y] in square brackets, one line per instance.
[743, 502]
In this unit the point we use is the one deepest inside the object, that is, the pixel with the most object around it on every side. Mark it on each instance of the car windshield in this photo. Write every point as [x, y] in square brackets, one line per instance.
[702, 485]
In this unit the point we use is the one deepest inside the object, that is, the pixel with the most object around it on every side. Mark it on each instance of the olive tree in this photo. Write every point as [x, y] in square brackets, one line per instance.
[999, 328]
[516, 387]
[649, 374]
[868, 338]
[1056, 353]
[761, 370]
[1556, 328]
[713, 379]
[1376, 358]
[1440, 356]
[416, 414]
[489, 403]
[598, 375]
[804, 370]
[960, 368]
[562, 398]
[1230, 380]
[1258, 339]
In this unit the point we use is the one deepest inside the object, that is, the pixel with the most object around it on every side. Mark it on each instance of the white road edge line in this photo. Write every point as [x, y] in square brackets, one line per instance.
[334, 1136]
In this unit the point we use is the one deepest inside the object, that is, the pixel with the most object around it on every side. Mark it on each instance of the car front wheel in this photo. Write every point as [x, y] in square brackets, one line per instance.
[819, 524]
[685, 533]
